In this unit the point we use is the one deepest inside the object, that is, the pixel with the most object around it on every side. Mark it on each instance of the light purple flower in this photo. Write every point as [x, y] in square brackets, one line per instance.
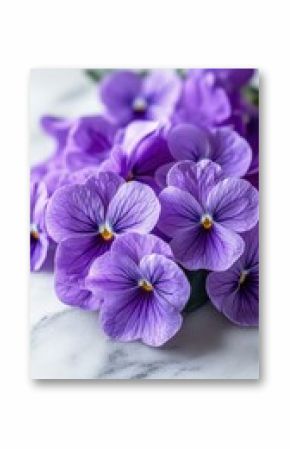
[235, 292]
[222, 145]
[85, 219]
[39, 241]
[58, 128]
[83, 145]
[129, 96]
[142, 289]
[57, 178]
[89, 142]
[140, 151]
[204, 214]
[203, 102]
[230, 79]
[40, 170]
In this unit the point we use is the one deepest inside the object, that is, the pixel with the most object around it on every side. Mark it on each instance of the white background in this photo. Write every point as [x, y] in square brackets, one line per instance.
[145, 34]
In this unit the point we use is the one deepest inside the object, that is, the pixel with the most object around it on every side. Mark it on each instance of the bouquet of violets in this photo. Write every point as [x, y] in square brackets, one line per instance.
[150, 209]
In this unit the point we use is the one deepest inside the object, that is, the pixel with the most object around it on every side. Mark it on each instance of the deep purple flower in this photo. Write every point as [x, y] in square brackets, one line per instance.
[39, 241]
[245, 120]
[203, 213]
[139, 152]
[203, 102]
[231, 82]
[230, 79]
[235, 292]
[143, 290]
[85, 219]
[129, 96]
[253, 178]
[252, 136]
[222, 145]
[89, 142]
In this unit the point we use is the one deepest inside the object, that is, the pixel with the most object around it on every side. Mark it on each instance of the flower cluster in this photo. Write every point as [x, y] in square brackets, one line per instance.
[160, 185]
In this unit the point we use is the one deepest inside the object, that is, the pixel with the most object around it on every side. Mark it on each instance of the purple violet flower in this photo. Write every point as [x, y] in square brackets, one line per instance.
[82, 145]
[39, 240]
[235, 292]
[252, 135]
[139, 152]
[230, 79]
[58, 128]
[85, 219]
[57, 178]
[128, 96]
[142, 288]
[202, 102]
[253, 138]
[221, 145]
[204, 214]
[89, 142]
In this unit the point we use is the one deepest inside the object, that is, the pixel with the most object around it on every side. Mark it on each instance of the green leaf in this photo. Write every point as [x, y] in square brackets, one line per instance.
[181, 72]
[198, 296]
[96, 74]
[252, 95]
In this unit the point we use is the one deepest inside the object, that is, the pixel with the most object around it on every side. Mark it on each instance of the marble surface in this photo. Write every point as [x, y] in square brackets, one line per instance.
[67, 343]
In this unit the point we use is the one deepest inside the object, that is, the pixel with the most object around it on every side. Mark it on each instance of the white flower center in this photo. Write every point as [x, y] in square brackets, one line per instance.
[139, 104]
[206, 221]
[106, 232]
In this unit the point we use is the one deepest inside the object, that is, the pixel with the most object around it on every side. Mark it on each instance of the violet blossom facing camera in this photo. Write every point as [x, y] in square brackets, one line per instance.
[204, 215]
[142, 289]
[86, 218]
[128, 96]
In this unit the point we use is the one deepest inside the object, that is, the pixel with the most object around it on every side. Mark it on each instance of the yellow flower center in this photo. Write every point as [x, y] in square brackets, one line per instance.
[106, 234]
[145, 285]
[207, 222]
